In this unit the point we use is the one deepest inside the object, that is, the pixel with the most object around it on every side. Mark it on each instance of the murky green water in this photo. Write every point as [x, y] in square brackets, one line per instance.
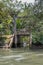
[21, 57]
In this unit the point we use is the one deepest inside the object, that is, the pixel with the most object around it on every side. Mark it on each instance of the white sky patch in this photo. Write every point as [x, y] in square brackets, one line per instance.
[28, 1]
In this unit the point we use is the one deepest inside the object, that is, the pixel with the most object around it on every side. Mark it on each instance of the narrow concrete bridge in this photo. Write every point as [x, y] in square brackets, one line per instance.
[18, 34]
[15, 38]
[22, 32]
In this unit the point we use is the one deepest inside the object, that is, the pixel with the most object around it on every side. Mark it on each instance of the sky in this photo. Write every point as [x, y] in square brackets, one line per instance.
[28, 1]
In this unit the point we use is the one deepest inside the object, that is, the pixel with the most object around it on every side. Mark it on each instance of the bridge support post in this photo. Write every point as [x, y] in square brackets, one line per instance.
[16, 41]
[30, 41]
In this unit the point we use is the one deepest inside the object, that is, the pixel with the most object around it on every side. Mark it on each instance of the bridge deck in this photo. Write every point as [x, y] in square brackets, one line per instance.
[19, 32]
[23, 33]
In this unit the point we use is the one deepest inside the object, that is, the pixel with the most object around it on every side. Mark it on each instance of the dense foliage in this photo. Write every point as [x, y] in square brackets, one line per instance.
[33, 22]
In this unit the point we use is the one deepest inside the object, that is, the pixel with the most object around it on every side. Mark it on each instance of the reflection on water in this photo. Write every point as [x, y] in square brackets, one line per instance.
[10, 57]
[20, 57]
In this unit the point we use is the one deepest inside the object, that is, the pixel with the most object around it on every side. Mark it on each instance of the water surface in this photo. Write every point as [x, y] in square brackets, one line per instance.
[21, 57]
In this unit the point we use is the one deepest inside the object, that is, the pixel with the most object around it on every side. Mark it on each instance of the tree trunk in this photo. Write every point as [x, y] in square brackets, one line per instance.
[11, 41]
[14, 38]
[15, 32]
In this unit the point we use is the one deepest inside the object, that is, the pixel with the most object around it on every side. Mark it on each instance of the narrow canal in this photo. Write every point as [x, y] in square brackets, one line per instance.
[21, 57]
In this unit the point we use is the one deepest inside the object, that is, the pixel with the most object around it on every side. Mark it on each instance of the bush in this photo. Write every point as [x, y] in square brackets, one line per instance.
[37, 38]
[2, 40]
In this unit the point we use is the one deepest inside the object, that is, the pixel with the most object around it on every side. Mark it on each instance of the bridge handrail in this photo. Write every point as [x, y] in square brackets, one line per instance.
[22, 30]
